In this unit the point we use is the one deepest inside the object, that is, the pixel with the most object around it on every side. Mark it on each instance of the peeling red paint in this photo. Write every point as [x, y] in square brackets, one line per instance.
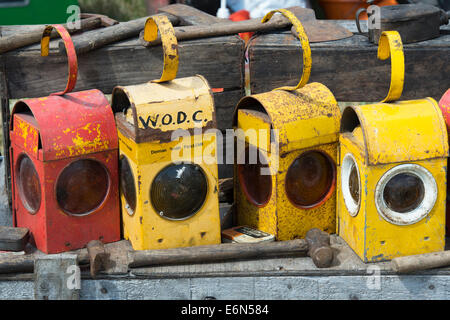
[54, 132]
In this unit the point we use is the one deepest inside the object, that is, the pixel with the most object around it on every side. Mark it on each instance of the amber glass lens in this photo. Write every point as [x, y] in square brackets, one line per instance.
[127, 185]
[404, 192]
[354, 183]
[256, 186]
[179, 191]
[82, 187]
[29, 186]
[309, 179]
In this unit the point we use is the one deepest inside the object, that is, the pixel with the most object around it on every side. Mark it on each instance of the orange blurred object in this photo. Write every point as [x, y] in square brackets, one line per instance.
[240, 16]
[346, 9]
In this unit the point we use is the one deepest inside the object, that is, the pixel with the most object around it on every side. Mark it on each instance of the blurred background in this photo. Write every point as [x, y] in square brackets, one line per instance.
[55, 11]
[325, 9]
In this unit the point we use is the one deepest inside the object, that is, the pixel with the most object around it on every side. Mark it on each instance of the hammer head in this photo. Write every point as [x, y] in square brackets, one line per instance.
[318, 30]
[319, 248]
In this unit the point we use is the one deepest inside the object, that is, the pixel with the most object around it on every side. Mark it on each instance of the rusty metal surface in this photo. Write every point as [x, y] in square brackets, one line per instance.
[307, 120]
[315, 121]
[394, 133]
[140, 109]
[56, 134]
[75, 124]
[444, 104]
[169, 43]
[386, 140]
[148, 115]
[414, 22]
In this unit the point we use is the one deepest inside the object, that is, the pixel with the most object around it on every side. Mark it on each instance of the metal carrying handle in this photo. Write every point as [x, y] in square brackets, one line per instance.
[390, 45]
[307, 61]
[169, 44]
[358, 14]
[70, 50]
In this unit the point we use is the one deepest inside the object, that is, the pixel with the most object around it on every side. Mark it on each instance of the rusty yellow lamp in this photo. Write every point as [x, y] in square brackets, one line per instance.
[169, 190]
[291, 133]
[392, 175]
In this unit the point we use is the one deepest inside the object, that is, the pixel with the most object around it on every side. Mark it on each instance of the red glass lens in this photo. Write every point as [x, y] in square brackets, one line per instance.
[309, 179]
[82, 187]
[256, 186]
[29, 186]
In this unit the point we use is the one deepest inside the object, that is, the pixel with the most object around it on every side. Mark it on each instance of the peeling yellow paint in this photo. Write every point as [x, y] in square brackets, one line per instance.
[150, 102]
[306, 119]
[386, 136]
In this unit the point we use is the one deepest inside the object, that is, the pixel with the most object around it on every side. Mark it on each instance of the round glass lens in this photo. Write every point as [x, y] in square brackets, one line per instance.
[179, 191]
[29, 186]
[127, 185]
[309, 179]
[256, 186]
[404, 192]
[82, 187]
[353, 182]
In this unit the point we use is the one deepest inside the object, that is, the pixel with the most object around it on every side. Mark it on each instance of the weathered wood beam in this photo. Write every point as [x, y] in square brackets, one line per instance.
[125, 63]
[349, 67]
[6, 217]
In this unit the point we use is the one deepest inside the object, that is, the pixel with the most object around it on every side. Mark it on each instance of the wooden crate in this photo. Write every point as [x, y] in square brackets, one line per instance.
[349, 67]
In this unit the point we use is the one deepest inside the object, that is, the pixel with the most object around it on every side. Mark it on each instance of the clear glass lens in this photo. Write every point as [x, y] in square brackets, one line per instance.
[179, 191]
[127, 184]
[404, 192]
[354, 183]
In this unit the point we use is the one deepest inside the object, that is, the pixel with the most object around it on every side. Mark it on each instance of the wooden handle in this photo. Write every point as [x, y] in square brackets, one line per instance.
[13, 239]
[16, 264]
[221, 29]
[421, 262]
[34, 34]
[96, 39]
[221, 252]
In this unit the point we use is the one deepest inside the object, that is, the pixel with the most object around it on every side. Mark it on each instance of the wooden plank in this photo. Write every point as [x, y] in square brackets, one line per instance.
[57, 278]
[124, 63]
[13, 239]
[189, 15]
[347, 287]
[6, 217]
[217, 253]
[346, 262]
[349, 67]
[225, 103]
